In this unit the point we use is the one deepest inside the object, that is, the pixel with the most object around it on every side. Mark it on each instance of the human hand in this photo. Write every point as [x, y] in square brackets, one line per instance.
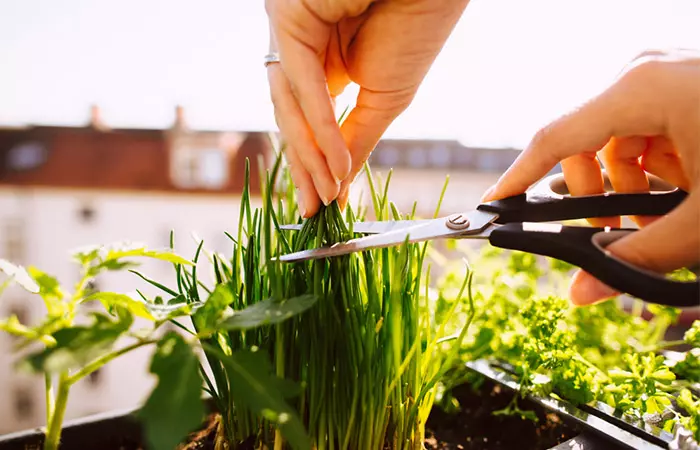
[386, 47]
[648, 120]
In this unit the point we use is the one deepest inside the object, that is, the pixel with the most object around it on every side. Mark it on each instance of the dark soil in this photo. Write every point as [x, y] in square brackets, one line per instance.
[474, 427]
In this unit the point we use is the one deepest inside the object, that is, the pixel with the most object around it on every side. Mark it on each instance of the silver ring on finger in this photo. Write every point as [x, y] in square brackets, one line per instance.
[271, 58]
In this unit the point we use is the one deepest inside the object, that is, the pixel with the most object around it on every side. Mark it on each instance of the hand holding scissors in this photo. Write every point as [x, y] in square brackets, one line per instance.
[524, 222]
[647, 121]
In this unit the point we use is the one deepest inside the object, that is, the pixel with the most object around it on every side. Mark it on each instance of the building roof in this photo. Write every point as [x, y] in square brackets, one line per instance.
[99, 157]
[441, 154]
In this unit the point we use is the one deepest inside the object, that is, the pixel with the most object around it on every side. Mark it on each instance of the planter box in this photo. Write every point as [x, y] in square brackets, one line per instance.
[119, 430]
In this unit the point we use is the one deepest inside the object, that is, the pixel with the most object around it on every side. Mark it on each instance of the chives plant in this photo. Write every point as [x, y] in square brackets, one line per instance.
[359, 366]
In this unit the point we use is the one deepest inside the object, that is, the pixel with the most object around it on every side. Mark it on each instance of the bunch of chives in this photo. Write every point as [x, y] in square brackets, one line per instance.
[367, 355]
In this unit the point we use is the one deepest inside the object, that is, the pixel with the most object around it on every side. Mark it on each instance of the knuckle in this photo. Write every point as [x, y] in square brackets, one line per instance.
[545, 146]
[542, 137]
[644, 69]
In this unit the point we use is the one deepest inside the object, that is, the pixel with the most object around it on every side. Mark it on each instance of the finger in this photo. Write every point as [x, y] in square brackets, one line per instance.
[585, 289]
[307, 199]
[666, 244]
[584, 177]
[624, 109]
[581, 131]
[662, 160]
[293, 127]
[621, 160]
[365, 125]
[307, 80]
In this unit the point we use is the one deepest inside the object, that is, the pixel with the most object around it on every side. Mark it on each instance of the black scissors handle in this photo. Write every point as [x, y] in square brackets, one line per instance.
[584, 247]
[549, 200]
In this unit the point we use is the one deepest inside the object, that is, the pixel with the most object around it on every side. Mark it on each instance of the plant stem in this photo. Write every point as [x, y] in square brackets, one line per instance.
[53, 432]
[101, 361]
[279, 371]
[664, 345]
[49, 397]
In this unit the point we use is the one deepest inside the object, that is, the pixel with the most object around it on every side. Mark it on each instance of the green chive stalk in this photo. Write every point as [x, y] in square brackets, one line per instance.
[365, 356]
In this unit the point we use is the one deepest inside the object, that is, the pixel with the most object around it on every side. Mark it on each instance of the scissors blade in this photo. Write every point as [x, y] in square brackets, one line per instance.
[372, 227]
[432, 229]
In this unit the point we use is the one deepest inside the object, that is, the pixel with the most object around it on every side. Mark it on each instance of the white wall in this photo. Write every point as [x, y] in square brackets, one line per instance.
[52, 227]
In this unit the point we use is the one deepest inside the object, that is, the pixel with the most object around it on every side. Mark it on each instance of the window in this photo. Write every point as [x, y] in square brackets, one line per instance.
[440, 155]
[213, 169]
[464, 158]
[201, 168]
[14, 241]
[489, 161]
[388, 156]
[26, 156]
[86, 213]
[91, 287]
[186, 169]
[95, 378]
[417, 157]
[23, 403]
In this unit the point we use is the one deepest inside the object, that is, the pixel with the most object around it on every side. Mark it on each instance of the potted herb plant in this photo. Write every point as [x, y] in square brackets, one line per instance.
[352, 352]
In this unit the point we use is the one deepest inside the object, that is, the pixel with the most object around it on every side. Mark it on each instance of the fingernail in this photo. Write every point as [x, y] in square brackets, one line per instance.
[300, 204]
[343, 197]
[586, 289]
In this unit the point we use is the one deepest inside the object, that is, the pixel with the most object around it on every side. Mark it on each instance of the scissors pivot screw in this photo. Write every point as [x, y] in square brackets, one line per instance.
[457, 222]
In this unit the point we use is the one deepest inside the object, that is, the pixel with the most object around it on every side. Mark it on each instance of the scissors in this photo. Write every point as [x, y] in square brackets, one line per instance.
[525, 222]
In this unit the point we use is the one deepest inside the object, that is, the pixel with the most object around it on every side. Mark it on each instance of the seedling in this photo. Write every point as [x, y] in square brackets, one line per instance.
[69, 351]
[599, 353]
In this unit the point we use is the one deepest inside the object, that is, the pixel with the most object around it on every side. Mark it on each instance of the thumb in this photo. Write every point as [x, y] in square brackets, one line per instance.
[664, 245]
[629, 107]
[366, 124]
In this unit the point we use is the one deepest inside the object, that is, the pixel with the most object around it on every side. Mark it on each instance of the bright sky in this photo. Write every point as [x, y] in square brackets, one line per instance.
[510, 65]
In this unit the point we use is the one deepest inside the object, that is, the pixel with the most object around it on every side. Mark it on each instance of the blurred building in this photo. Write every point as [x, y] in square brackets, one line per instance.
[421, 167]
[65, 187]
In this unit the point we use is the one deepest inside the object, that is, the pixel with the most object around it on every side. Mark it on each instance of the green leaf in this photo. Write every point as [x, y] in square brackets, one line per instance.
[50, 290]
[174, 407]
[254, 385]
[156, 311]
[115, 265]
[126, 250]
[19, 275]
[268, 312]
[175, 307]
[215, 308]
[692, 336]
[685, 401]
[78, 345]
[13, 326]
[663, 375]
[137, 307]
[85, 255]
